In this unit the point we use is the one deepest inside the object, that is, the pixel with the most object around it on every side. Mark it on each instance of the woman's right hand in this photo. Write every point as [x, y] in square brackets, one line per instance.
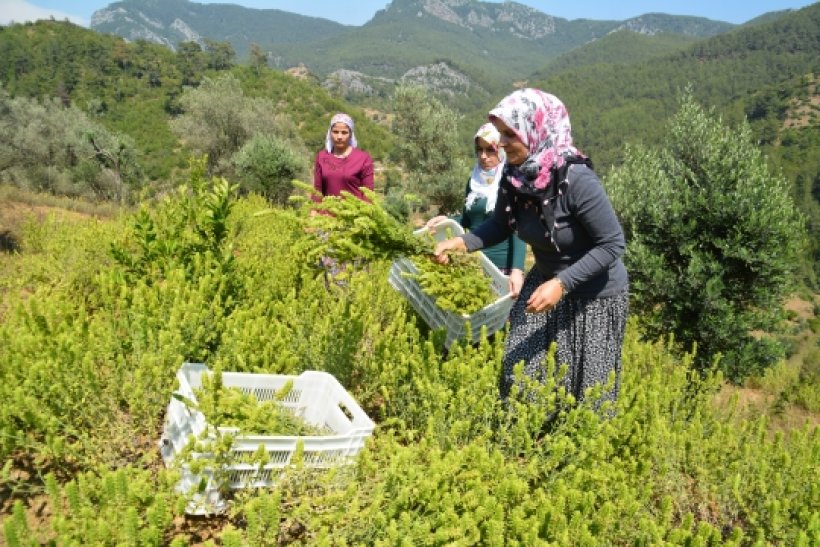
[545, 296]
[447, 246]
[433, 222]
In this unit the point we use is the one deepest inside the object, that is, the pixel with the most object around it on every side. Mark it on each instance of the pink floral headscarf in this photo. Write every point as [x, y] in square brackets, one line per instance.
[345, 119]
[541, 121]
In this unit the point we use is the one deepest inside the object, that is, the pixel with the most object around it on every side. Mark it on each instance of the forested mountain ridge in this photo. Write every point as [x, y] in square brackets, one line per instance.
[765, 74]
[616, 102]
[621, 47]
[169, 22]
[486, 44]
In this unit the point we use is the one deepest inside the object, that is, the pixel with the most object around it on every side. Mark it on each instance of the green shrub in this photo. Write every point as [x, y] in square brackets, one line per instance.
[267, 165]
[713, 240]
[85, 381]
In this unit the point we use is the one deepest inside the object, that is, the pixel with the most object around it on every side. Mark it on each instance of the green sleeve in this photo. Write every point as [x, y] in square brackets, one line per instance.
[464, 218]
[519, 252]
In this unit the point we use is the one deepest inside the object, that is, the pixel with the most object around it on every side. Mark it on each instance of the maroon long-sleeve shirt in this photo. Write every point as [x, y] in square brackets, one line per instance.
[332, 175]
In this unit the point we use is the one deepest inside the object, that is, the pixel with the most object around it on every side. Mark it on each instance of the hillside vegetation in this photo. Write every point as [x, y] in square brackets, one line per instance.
[145, 222]
[91, 342]
[134, 88]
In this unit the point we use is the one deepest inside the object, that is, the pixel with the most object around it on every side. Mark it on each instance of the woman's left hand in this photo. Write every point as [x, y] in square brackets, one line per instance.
[545, 297]
[431, 224]
[454, 244]
[516, 282]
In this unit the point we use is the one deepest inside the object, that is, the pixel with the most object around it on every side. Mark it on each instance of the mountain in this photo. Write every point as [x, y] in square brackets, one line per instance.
[170, 22]
[467, 50]
[621, 47]
[659, 23]
[615, 103]
[767, 17]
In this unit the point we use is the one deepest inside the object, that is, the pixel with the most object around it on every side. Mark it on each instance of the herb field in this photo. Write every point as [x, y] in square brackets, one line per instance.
[96, 317]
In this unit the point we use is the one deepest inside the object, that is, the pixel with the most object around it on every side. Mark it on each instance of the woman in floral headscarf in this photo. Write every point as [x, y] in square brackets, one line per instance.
[341, 166]
[479, 203]
[576, 294]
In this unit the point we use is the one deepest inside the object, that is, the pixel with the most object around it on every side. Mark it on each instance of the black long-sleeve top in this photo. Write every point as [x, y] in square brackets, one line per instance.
[586, 231]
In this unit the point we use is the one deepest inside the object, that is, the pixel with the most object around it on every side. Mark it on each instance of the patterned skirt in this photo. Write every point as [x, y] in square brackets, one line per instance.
[588, 333]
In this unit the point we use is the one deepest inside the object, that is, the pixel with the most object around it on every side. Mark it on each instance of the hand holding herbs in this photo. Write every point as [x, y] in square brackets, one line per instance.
[461, 286]
[355, 231]
[352, 230]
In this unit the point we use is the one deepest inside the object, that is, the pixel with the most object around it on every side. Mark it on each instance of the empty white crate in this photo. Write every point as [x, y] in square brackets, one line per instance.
[316, 397]
[493, 316]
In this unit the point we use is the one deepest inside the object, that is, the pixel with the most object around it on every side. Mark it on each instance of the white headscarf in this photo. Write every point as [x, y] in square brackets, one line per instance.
[485, 183]
[345, 119]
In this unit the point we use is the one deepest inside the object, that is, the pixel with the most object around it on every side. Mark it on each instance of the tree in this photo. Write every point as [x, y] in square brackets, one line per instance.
[428, 146]
[267, 165]
[190, 61]
[47, 147]
[220, 55]
[117, 156]
[713, 240]
[218, 119]
[259, 58]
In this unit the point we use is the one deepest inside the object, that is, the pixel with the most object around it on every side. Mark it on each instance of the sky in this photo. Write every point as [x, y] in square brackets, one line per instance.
[358, 12]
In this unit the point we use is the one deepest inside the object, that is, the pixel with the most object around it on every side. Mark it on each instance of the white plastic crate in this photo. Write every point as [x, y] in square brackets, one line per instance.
[493, 316]
[316, 397]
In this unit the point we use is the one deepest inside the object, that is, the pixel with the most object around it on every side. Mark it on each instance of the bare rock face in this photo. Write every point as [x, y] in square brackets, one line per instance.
[133, 25]
[440, 78]
[517, 19]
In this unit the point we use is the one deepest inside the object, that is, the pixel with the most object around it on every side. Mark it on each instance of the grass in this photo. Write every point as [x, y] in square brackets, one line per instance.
[789, 393]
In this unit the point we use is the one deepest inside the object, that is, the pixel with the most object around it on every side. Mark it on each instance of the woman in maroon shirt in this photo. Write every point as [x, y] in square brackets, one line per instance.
[341, 166]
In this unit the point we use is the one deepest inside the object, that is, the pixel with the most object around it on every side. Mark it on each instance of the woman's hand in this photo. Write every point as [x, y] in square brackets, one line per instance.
[516, 282]
[546, 296]
[448, 246]
[433, 222]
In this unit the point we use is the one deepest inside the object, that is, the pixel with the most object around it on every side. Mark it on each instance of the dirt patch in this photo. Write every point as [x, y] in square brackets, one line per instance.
[15, 215]
[753, 403]
[24, 486]
[301, 72]
[803, 308]
[803, 114]
[196, 530]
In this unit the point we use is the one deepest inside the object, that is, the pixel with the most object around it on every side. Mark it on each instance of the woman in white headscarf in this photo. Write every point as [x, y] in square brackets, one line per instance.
[576, 296]
[479, 203]
[341, 166]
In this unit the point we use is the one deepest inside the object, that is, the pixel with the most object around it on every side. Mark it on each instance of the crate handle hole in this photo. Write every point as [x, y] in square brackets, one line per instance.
[346, 411]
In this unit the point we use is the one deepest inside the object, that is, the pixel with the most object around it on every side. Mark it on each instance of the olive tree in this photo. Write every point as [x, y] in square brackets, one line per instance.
[267, 165]
[428, 147]
[48, 147]
[713, 240]
[218, 119]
